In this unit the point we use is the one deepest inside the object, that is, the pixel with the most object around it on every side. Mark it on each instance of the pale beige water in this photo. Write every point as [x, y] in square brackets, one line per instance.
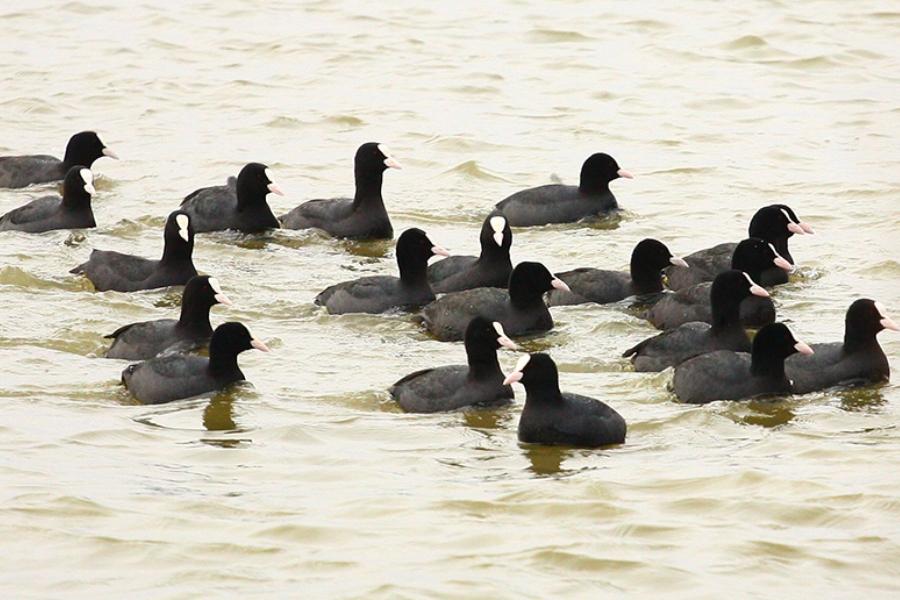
[309, 483]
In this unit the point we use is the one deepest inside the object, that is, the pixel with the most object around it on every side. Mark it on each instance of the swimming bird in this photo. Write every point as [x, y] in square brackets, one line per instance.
[480, 383]
[490, 269]
[363, 216]
[552, 417]
[71, 211]
[728, 375]
[520, 308]
[239, 204]
[648, 259]
[754, 257]
[109, 270]
[674, 346]
[775, 224]
[83, 149]
[380, 293]
[177, 376]
[191, 330]
[858, 360]
[556, 203]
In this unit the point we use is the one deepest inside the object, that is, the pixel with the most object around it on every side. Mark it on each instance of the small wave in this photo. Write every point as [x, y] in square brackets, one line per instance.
[746, 41]
[556, 36]
[472, 169]
[345, 120]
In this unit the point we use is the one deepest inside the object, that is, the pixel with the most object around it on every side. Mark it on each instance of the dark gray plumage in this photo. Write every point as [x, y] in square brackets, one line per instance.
[71, 211]
[566, 203]
[552, 417]
[192, 330]
[83, 149]
[362, 217]
[676, 345]
[648, 259]
[520, 309]
[775, 224]
[754, 257]
[240, 204]
[857, 360]
[177, 376]
[109, 270]
[491, 269]
[727, 375]
[480, 383]
[380, 293]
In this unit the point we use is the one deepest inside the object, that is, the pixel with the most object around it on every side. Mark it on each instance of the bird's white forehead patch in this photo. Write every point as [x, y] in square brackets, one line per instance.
[384, 150]
[498, 224]
[522, 362]
[87, 176]
[749, 280]
[498, 327]
[268, 173]
[182, 221]
[787, 216]
[214, 284]
[774, 251]
[881, 311]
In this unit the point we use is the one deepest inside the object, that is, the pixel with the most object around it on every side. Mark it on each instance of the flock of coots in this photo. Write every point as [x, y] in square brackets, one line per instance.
[714, 296]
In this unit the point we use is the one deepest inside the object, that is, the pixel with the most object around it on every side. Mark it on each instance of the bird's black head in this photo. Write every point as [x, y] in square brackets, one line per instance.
[78, 187]
[529, 281]
[84, 148]
[771, 346]
[865, 319]
[413, 251]
[598, 170]
[755, 255]
[537, 372]
[254, 183]
[200, 293]
[229, 340]
[648, 259]
[728, 289]
[488, 334]
[178, 236]
[496, 235]
[773, 223]
[204, 290]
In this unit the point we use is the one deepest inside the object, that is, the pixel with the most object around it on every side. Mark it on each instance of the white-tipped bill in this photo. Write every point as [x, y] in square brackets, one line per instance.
[502, 339]
[886, 321]
[110, 154]
[259, 345]
[88, 179]
[389, 161]
[439, 251]
[794, 228]
[625, 174]
[803, 348]
[183, 221]
[217, 292]
[755, 289]
[806, 227]
[780, 261]
[516, 375]
[273, 187]
[559, 284]
[679, 262]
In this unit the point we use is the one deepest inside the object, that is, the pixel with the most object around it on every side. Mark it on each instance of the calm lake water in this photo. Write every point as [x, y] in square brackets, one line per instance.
[310, 483]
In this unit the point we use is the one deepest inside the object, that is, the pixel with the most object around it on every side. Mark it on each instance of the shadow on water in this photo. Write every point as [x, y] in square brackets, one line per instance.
[547, 460]
[860, 399]
[219, 414]
[487, 419]
[762, 413]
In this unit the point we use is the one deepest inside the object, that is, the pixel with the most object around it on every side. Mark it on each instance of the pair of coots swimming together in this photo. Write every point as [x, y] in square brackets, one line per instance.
[718, 292]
